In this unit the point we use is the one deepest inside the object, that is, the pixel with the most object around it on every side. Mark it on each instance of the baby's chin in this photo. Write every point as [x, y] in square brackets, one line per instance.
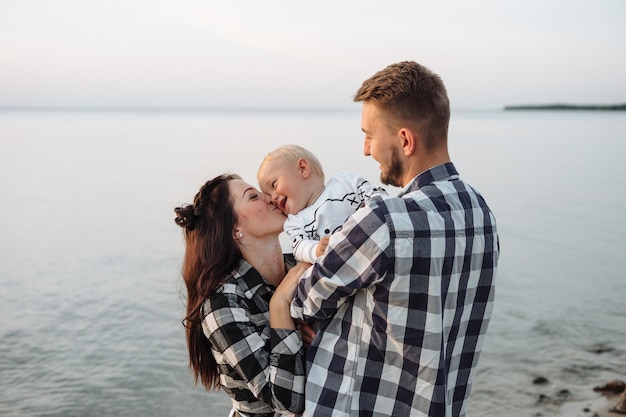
[288, 212]
[287, 206]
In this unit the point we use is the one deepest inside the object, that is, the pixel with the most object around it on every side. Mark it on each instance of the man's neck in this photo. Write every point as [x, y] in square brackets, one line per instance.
[418, 165]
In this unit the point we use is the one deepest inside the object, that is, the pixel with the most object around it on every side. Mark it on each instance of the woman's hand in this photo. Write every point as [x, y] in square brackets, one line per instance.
[280, 303]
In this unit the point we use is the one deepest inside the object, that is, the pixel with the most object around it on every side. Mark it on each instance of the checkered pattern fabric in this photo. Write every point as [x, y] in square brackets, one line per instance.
[403, 297]
[261, 369]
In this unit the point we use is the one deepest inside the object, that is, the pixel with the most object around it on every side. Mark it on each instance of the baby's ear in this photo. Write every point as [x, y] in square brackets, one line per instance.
[304, 168]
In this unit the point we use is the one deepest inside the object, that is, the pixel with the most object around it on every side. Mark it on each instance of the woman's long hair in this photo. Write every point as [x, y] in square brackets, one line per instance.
[210, 255]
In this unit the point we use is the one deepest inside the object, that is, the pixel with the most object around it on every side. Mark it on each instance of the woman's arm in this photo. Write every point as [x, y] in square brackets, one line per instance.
[281, 300]
[273, 370]
[280, 316]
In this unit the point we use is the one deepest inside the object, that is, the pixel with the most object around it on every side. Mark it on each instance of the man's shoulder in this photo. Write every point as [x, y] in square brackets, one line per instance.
[393, 209]
[383, 206]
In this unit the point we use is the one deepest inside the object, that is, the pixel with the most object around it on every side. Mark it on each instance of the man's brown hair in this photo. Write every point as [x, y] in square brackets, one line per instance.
[411, 96]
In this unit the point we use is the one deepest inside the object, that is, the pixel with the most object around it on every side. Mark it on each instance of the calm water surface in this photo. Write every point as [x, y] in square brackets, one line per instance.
[91, 300]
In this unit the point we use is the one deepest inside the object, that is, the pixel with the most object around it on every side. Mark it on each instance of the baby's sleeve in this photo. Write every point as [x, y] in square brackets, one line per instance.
[303, 246]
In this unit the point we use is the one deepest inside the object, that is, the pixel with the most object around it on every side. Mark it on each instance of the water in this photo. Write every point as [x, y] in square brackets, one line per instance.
[91, 300]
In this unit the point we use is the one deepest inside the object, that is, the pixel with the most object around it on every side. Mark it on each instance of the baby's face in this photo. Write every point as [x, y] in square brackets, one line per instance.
[284, 182]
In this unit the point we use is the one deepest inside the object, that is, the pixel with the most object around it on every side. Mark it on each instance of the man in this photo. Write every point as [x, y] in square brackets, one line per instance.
[404, 292]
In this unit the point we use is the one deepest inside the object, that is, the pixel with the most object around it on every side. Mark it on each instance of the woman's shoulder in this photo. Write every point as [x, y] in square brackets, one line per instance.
[242, 290]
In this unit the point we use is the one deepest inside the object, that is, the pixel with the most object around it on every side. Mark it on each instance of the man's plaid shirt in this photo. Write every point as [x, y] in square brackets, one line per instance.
[261, 369]
[404, 295]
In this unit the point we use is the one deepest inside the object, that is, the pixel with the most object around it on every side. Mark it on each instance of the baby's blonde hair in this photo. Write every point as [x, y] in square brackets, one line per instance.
[293, 153]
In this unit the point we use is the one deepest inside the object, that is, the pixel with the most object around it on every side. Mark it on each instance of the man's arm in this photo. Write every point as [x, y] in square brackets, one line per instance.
[356, 257]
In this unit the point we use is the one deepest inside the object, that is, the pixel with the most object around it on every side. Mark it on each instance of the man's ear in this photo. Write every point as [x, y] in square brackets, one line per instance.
[303, 167]
[408, 141]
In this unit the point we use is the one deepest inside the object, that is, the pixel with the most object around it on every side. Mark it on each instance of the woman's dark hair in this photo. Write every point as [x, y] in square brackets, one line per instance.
[210, 255]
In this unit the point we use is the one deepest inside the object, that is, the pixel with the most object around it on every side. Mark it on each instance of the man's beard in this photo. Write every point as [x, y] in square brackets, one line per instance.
[394, 173]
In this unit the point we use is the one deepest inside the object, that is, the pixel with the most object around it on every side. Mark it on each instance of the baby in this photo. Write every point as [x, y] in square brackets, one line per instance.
[294, 178]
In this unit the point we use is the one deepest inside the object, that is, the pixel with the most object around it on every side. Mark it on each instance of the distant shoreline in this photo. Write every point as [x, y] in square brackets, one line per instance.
[611, 107]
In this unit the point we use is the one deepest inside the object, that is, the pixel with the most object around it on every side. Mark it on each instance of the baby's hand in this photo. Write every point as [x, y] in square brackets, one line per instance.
[321, 247]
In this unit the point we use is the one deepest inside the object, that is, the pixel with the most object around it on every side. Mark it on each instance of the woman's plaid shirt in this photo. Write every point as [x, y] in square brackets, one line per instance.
[261, 369]
[404, 295]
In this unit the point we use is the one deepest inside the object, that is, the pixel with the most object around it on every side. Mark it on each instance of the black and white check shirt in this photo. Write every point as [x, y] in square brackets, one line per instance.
[404, 295]
[261, 369]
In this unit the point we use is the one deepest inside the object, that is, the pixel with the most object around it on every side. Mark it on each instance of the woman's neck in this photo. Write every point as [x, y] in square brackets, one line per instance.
[267, 258]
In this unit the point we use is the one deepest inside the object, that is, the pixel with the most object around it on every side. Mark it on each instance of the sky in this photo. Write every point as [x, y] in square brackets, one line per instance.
[296, 54]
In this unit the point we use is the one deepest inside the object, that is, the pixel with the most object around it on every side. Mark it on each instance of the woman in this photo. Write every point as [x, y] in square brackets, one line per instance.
[233, 262]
